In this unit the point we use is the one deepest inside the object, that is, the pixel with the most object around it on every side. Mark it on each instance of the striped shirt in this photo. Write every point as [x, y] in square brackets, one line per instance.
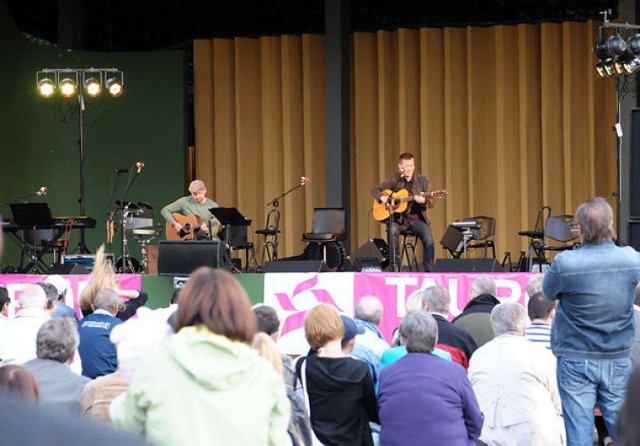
[540, 333]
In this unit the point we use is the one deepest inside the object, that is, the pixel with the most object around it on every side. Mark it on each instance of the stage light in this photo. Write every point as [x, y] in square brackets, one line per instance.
[114, 86]
[46, 87]
[93, 86]
[609, 47]
[67, 87]
[605, 69]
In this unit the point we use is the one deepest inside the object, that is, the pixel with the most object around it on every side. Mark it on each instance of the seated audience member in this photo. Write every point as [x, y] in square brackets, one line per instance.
[267, 320]
[423, 399]
[541, 312]
[370, 344]
[299, 425]
[99, 356]
[413, 303]
[17, 381]
[18, 343]
[515, 383]
[455, 340]
[63, 288]
[5, 302]
[351, 332]
[475, 316]
[131, 338]
[103, 276]
[206, 385]
[52, 297]
[340, 392]
[60, 387]
[534, 286]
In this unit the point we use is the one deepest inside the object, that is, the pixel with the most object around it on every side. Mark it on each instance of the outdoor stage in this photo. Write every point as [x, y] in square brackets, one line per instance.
[293, 294]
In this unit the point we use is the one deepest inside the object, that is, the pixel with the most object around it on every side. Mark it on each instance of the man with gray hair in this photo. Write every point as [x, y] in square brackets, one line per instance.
[593, 331]
[371, 344]
[98, 353]
[475, 315]
[60, 387]
[515, 383]
[18, 338]
[455, 340]
[448, 414]
[197, 204]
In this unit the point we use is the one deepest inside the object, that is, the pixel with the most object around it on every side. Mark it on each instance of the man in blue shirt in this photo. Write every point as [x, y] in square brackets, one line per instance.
[593, 331]
[97, 352]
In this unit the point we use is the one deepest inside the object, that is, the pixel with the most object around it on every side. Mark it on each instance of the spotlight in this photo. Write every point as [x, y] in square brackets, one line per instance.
[609, 47]
[46, 87]
[93, 87]
[605, 69]
[67, 87]
[114, 86]
[633, 45]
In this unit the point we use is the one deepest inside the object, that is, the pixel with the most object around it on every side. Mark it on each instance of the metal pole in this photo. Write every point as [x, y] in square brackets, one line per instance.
[82, 247]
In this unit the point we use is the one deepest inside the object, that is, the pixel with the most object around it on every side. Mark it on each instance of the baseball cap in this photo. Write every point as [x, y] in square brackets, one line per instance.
[351, 329]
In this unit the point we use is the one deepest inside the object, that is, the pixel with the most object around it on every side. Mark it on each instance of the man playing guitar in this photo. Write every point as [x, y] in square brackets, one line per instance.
[415, 218]
[196, 204]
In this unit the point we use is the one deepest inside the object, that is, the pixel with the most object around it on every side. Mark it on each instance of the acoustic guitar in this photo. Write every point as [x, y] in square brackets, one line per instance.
[190, 227]
[399, 202]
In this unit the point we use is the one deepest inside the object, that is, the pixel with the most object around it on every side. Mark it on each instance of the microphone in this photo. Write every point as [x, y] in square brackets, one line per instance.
[120, 170]
[139, 166]
[42, 190]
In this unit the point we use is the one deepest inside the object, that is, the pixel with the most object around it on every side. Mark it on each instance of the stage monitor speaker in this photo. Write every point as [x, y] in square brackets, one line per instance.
[295, 266]
[467, 265]
[181, 258]
[68, 268]
[375, 249]
[634, 166]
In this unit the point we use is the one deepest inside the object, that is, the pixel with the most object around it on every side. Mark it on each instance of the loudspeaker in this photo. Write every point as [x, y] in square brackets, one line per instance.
[295, 266]
[452, 240]
[376, 249]
[181, 258]
[68, 268]
[467, 266]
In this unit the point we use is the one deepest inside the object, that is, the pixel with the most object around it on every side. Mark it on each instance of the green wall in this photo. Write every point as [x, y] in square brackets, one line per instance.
[39, 138]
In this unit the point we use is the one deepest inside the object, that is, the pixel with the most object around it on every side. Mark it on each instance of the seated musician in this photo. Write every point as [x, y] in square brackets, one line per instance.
[415, 218]
[196, 204]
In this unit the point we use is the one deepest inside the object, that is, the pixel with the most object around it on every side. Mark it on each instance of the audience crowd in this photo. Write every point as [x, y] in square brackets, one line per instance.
[207, 369]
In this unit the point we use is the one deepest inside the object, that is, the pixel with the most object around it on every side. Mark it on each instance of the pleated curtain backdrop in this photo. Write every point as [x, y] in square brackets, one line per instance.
[507, 118]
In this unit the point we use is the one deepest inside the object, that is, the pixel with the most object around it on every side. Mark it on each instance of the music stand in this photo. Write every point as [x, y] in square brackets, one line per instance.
[229, 218]
[34, 216]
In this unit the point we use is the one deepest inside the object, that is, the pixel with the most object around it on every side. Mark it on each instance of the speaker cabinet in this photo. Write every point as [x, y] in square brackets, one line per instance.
[295, 266]
[181, 258]
[467, 266]
[363, 257]
[68, 268]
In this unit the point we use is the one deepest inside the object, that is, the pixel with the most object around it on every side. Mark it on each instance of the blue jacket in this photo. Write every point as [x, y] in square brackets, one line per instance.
[97, 352]
[595, 285]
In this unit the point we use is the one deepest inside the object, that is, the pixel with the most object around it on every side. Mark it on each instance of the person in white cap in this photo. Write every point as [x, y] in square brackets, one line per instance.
[197, 204]
[64, 291]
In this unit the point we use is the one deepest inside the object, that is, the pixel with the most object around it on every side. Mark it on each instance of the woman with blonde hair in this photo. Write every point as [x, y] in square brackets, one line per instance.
[103, 276]
[341, 396]
[206, 385]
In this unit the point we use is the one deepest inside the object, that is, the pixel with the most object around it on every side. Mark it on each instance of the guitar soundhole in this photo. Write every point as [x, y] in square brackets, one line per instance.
[187, 228]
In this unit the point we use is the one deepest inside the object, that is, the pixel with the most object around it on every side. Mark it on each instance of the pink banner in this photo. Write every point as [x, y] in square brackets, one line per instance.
[393, 289]
[76, 282]
[294, 294]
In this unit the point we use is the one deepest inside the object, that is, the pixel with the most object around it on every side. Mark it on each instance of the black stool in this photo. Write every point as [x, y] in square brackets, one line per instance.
[408, 252]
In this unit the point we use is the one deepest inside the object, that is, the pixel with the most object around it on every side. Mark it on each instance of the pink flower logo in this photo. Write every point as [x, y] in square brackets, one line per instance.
[295, 319]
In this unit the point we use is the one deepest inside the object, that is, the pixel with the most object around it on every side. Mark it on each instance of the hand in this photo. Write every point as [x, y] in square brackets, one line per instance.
[204, 228]
[384, 198]
[177, 226]
[420, 199]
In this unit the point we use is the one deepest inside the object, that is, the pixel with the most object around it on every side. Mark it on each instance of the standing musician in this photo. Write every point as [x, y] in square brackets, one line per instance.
[195, 204]
[415, 219]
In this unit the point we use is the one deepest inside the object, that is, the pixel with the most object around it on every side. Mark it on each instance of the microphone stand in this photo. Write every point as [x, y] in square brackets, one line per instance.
[126, 265]
[276, 213]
